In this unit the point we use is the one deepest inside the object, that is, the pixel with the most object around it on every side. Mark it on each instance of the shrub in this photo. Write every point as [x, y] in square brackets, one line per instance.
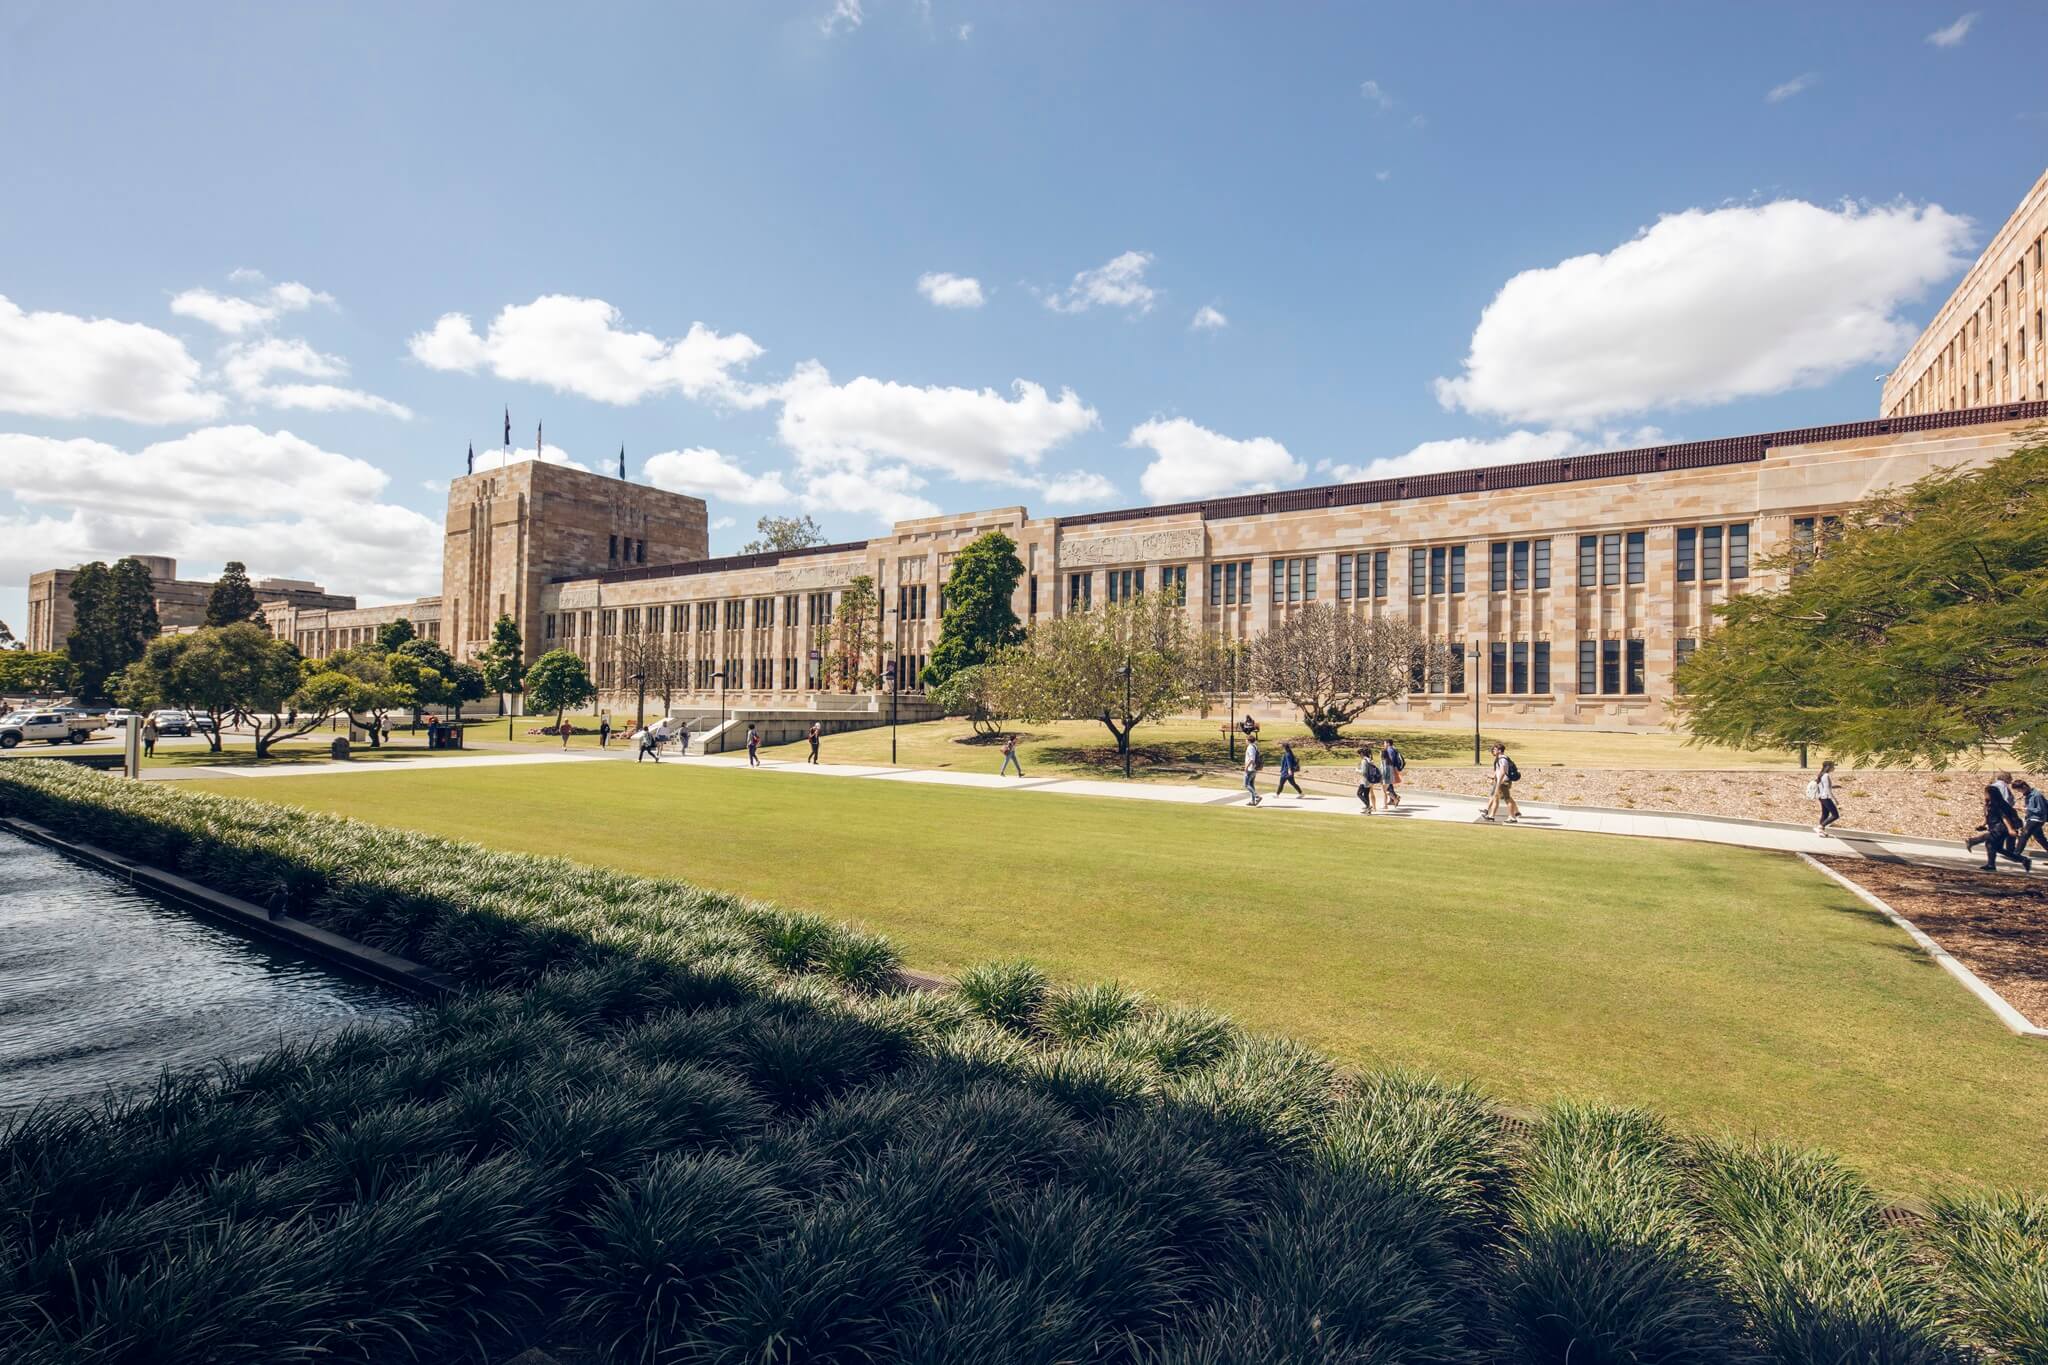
[1006, 994]
[1082, 1014]
[1993, 1257]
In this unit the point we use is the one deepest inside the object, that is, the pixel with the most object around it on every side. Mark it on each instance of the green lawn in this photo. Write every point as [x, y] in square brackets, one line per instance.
[1734, 991]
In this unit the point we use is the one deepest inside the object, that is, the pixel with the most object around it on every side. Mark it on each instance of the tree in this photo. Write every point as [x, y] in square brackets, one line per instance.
[783, 534]
[375, 695]
[114, 619]
[648, 655]
[232, 598]
[7, 640]
[428, 677]
[236, 674]
[978, 619]
[1332, 665]
[558, 681]
[1072, 667]
[1918, 633]
[852, 636]
[392, 635]
[37, 672]
[503, 660]
[971, 692]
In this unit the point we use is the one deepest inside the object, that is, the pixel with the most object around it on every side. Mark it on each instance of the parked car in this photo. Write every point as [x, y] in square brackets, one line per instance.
[172, 723]
[49, 726]
[118, 718]
[203, 723]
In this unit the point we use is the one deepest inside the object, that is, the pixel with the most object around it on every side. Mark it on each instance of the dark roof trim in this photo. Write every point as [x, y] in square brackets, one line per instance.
[1571, 469]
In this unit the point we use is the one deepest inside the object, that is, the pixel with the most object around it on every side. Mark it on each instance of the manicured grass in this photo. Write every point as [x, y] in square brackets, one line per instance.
[1735, 992]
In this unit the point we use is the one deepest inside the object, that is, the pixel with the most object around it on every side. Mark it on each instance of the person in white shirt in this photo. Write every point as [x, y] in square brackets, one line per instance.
[1251, 769]
[1823, 791]
[1504, 775]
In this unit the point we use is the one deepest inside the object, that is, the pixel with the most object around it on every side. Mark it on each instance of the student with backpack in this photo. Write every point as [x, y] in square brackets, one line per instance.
[2033, 809]
[1010, 759]
[1368, 778]
[1505, 775]
[1392, 765]
[1289, 766]
[1251, 769]
[1822, 789]
[753, 746]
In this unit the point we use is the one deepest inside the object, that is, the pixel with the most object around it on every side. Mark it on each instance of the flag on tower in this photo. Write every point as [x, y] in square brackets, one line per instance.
[472, 457]
[536, 440]
[508, 428]
[622, 463]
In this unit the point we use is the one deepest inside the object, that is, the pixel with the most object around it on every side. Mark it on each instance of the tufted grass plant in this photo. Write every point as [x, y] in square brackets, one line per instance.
[1992, 1254]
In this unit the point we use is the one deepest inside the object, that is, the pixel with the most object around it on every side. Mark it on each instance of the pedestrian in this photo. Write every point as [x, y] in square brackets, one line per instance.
[683, 740]
[1010, 759]
[149, 733]
[650, 742]
[753, 746]
[1251, 767]
[2033, 809]
[816, 731]
[1505, 776]
[566, 727]
[1392, 765]
[1822, 789]
[604, 733]
[1289, 766]
[1250, 728]
[2002, 825]
[1368, 778]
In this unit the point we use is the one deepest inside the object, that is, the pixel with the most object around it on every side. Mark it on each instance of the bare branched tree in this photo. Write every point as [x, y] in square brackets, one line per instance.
[1335, 665]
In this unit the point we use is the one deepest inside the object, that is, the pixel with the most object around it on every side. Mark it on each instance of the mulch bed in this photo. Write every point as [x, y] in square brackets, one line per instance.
[1994, 923]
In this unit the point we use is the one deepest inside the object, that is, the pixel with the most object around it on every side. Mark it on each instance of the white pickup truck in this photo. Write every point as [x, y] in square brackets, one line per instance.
[52, 727]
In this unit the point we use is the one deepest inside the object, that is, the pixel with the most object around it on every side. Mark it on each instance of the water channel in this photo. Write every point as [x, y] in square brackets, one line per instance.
[103, 986]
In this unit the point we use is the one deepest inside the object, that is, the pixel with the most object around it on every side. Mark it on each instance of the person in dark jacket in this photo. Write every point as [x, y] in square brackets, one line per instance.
[2033, 809]
[2002, 827]
[1289, 766]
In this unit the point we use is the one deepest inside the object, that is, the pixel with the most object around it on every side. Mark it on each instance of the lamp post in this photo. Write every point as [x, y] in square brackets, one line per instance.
[719, 678]
[1127, 719]
[640, 710]
[1230, 662]
[1472, 653]
[895, 681]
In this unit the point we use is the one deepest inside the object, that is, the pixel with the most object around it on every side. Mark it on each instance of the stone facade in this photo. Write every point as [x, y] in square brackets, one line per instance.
[1984, 346]
[1578, 582]
[319, 632]
[179, 602]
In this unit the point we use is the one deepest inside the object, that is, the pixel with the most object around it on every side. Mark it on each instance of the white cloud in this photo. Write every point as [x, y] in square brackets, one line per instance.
[60, 365]
[1118, 284]
[1953, 34]
[236, 314]
[708, 474]
[1778, 94]
[1190, 461]
[951, 291]
[282, 505]
[1208, 318]
[1462, 452]
[549, 454]
[577, 345]
[845, 14]
[1383, 175]
[248, 366]
[967, 433]
[966, 32]
[1706, 306]
[1068, 490]
[1373, 92]
[887, 493]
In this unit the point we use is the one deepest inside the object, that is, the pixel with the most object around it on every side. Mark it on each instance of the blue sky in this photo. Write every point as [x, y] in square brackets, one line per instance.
[268, 270]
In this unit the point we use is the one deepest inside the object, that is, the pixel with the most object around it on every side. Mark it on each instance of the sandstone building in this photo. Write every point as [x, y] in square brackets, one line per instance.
[1984, 346]
[179, 602]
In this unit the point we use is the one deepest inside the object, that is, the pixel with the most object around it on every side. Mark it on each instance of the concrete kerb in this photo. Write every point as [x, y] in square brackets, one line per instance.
[1996, 1003]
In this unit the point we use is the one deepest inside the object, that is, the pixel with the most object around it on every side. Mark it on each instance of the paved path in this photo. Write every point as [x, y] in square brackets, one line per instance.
[1324, 802]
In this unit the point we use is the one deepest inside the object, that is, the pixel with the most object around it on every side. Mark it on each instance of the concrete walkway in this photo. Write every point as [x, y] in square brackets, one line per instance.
[1322, 801]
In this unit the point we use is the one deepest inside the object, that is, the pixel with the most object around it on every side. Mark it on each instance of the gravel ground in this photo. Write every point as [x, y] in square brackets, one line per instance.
[1994, 924]
[1884, 801]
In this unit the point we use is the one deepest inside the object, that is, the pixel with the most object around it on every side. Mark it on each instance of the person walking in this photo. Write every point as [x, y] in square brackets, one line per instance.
[1392, 765]
[753, 746]
[1822, 789]
[813, 735]
[1505, 775]
[604, 733]
[2002, 825]
[149, 733]
[683, 740]
[650, 743]
[567, 729]
[1251, 768]
[2033, 809]
[1289, 766]
[1368, 779]
[1010, 759]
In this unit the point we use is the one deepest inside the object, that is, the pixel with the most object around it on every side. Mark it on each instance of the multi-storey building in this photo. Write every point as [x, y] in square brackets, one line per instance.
[1571, 587]
[179, 602]
[1984, 346]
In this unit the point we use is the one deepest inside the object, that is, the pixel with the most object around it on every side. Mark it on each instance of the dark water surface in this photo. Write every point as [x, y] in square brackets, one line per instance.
[101, 985]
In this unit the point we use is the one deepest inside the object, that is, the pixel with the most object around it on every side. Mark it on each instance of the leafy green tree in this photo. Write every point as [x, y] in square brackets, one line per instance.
[850, 646]
[36, 672]
[783, 534]
[503, 660]
[1333, 665]
[233, 599]
[7, 640]
[429, 676]
[375, 695]
[558, 681]
[970, 692]
[114, 619]
[1072, 667]
[978, 619]
[235, 675]
[1917, 634]
[393, 634]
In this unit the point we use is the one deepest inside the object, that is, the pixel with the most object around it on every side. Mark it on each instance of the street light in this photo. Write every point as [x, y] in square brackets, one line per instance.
[1127, 719]
[719, 678]
[640, 712]
[895, 681]
[1472, 653]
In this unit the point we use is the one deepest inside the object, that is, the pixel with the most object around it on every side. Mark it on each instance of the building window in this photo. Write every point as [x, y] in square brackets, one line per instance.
[548, 625]
[1125, 583]
[1635, 668]
[639, 552]
[1542, 552]
[1031, 597]
[1343, 578]
[1519, 679]
[1418, 572]
[1080, 591]
[1682, 649]
[1173, 581]
[1437, 556]
[615, 550]
[1497, 566]
[1379, 573]
[1589, 667]
[1710, 554]
[1610, 666]
[1687, 537]
[1540, 679]
[1588, 561]
[1610, 559]
[1457, 568]
[1497, 670]
[1738, 550]
[1520, 578]
[1456, 671]
[1636, 541]
[1215, 585]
